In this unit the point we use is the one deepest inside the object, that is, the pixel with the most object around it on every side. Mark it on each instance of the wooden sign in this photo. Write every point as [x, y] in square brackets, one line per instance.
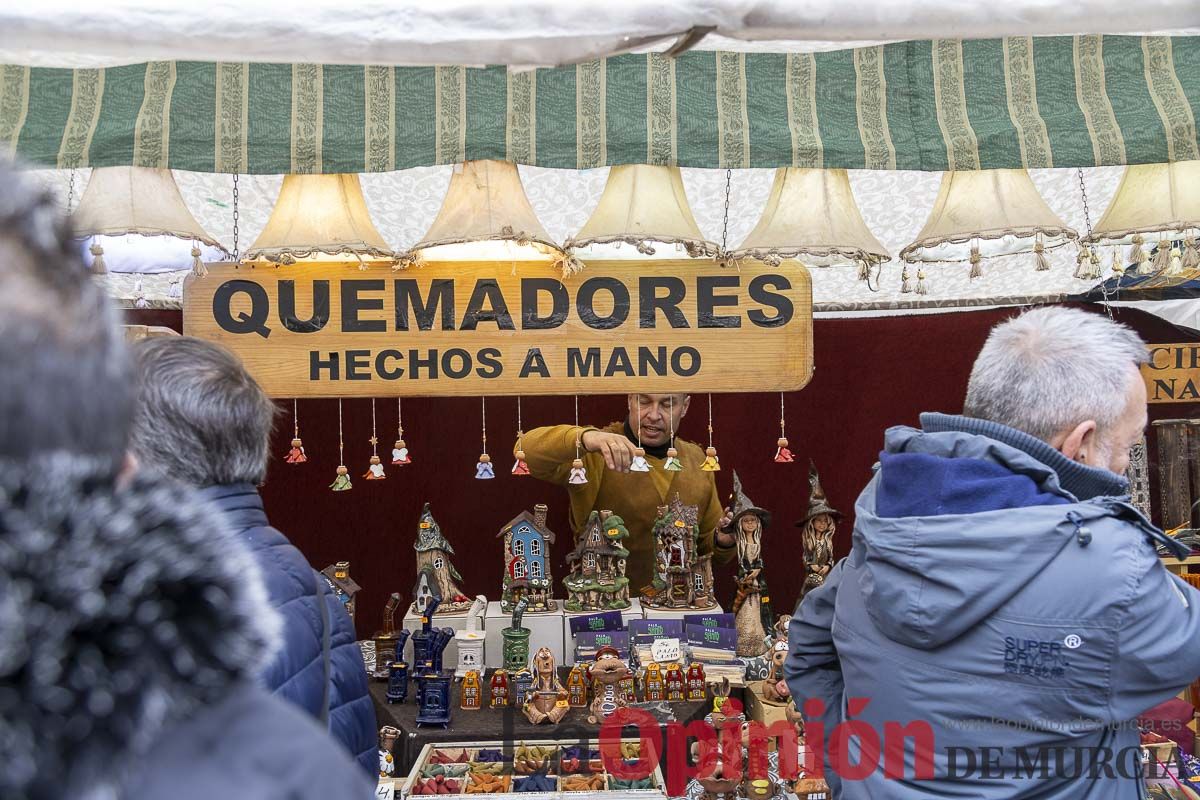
[1173, 373]
[495, 328]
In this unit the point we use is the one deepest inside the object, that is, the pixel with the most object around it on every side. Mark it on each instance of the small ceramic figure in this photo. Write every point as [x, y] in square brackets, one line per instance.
[576, 688]
[397, 689]
[676, 689]
[818, 527]
[751, 605]
[628, 687]
[516, 639]
[387, 743]
[296, 454]
[723, 781]
[548, 700]
[607, 671]
[711, 462]
[400, 453]
[375, 471]
[639, 463]
[597, 579]
[433, 700]
[578, 473]
[519, 466]
[673, 463]
[694, 681]
[342, 482]
[498, 689]
[682, 575]
[470, 697]
[653, 688]
[782, 454]
[484, 471]
[522, 684]
[774, 687]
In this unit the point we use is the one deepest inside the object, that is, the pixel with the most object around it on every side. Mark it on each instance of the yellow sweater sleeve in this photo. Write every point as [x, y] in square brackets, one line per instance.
[549, 451]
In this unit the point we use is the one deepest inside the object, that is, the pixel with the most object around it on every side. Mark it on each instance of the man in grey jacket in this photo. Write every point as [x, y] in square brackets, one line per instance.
[1003, 615]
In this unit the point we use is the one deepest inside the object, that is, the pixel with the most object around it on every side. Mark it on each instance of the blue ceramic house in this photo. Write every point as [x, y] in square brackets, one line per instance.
[527, 544]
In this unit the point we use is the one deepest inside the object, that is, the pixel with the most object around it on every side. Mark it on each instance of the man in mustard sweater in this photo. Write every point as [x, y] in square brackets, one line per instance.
[607, 455]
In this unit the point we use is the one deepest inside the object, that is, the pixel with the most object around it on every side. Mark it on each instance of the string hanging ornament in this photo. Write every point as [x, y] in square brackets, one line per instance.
[484, 470]
[342, 482]
[673, 464]
[296, 455]
[711, 462]
[400, 449]
[375, 469]
[639, 463]
[578, 473]
[782, 454]
[519, 466]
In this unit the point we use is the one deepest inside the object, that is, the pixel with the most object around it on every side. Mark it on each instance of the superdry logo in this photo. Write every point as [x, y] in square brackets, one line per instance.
[1037, 658]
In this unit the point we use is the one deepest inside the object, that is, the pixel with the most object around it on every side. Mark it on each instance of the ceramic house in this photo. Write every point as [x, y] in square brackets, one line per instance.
[683, 577]
[527, 543]
[337, 576]
[425, 590]
[597, 581]
[433, 554]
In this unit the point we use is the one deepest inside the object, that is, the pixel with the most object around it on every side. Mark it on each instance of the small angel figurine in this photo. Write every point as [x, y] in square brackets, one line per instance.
[400, 453]
[519, 466]
[375, 471]
[296, 454]
[639, 463]
[673, 463]
[484, 470]
[342, 482]
[782, 454]
[578, 473]
[711, 463]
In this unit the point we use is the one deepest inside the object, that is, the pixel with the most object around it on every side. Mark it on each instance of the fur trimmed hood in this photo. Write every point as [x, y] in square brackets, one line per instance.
[122, 611]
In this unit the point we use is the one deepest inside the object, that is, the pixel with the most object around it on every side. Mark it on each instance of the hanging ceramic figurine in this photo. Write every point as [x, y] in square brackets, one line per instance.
[673, 464]
[519, 466]
[296, 454]
[342, 482]
[578, 473]
[400, 453]
[782, 454]
[711, 463]
[639, 463]
[484, 470]
[375, 471]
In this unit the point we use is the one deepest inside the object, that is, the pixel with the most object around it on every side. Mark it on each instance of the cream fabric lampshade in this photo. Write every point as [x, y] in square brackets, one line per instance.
[994, 212]
[643, 204]
[811, 214]
[319, 218]
[486, 215]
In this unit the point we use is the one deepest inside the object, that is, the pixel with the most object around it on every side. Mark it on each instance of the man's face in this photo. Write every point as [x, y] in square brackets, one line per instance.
[659, 414]
[1112, 447]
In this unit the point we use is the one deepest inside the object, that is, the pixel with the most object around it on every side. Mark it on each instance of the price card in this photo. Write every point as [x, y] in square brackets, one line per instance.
[386, 790]
[665, 650]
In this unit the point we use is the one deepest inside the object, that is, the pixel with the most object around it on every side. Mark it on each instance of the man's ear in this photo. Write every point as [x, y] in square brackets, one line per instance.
[129, 468]
[1078, 443]
[687, 400]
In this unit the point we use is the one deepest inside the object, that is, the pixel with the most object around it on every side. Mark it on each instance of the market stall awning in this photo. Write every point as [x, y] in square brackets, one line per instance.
[919, 105]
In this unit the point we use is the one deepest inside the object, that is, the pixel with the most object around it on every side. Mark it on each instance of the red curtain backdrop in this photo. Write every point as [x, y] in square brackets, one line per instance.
[871, 373]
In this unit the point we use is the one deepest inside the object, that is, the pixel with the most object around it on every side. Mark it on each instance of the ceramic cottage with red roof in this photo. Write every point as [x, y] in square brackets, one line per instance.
[527, 542]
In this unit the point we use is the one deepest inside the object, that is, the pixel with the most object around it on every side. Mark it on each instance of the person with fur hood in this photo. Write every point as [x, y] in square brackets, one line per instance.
[132, 621]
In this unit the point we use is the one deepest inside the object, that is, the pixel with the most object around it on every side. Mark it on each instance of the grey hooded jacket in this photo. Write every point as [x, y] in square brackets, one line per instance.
[1027, 639]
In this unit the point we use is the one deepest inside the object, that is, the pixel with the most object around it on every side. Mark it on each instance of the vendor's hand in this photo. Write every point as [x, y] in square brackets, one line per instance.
[617, 450]
[720, 537]
[726, 520]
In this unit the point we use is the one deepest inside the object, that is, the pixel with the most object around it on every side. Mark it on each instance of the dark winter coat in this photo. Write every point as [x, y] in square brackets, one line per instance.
[1008, 599]
[319, 666]
[132, 625]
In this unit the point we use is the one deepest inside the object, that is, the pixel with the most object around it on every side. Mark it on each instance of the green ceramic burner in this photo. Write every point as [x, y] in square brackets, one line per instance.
[516, 640]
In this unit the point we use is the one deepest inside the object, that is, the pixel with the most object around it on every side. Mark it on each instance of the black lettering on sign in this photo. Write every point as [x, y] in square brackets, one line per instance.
[535, 363]
[487, 290]
[489, 363]
[693, 358]
[352, 304]
[416, 364]
[650, 303]
[441, 294]
[320, 307]
[560, 302]
[656, 360]
[462, 368]
[618, 361]
[585, 303]
[581, 366]
[383, 370]
[759, 293]
[358, 363]
[707, 300]
[253, 322]
[316, 365]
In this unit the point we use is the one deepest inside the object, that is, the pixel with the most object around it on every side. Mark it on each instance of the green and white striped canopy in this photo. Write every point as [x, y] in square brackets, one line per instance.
[922, 105]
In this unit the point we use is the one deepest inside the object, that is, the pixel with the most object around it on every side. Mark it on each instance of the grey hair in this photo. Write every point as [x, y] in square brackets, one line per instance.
[1052, 368]
[67, 374]
[201, 418]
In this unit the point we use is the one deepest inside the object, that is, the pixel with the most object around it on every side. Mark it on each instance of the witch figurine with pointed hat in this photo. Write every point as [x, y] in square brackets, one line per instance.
[819, 525]
[752, 604]
[433, 554]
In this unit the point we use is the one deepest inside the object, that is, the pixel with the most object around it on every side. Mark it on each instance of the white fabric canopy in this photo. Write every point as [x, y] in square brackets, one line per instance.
[523, 32]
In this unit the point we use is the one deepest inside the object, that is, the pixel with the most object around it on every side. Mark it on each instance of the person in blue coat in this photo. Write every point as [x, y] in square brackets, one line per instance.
[1003, 616]
[203, 420]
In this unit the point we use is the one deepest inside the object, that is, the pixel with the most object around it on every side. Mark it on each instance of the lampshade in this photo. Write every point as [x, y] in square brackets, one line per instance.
[987, 213]
[319, 218]
[1154, 202]
[643, 204]
[811, 214]
[486, 215]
